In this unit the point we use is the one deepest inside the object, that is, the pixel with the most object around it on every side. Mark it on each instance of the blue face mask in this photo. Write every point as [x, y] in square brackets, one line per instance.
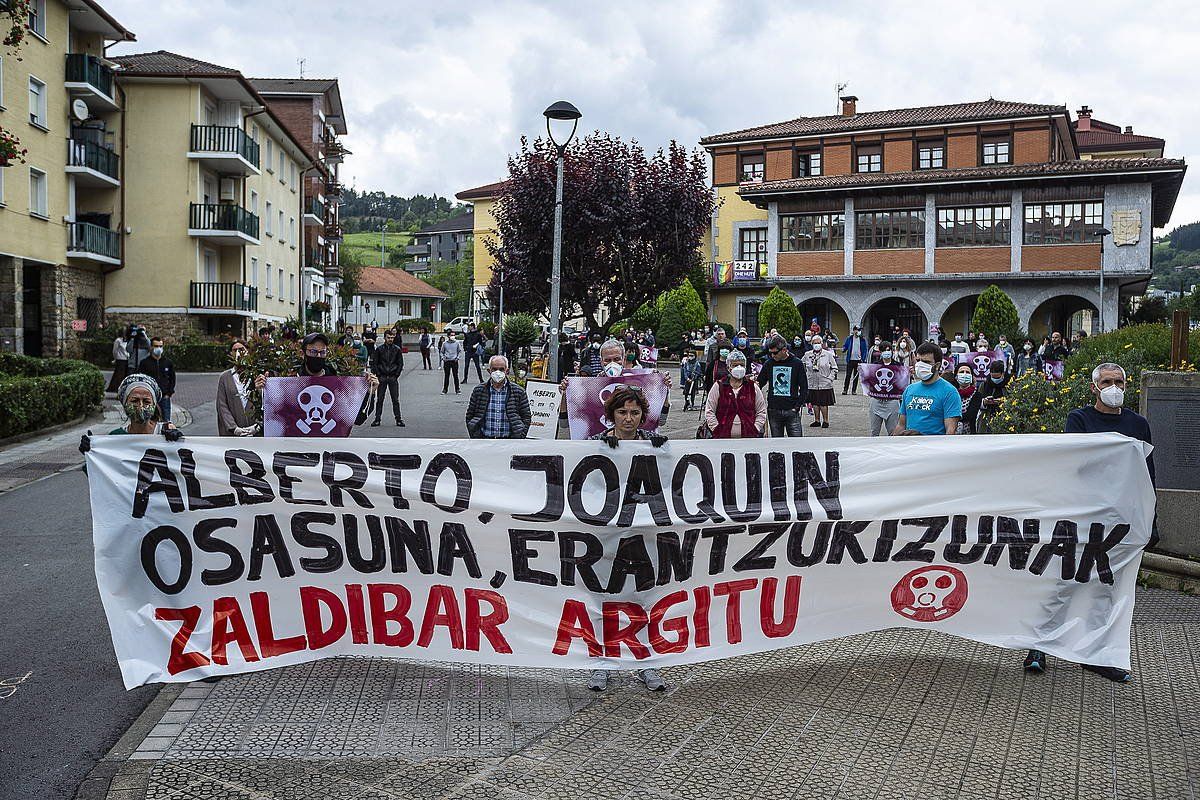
[997, 379]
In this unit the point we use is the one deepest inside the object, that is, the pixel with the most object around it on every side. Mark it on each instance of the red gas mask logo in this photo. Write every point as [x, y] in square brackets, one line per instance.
[930, 594]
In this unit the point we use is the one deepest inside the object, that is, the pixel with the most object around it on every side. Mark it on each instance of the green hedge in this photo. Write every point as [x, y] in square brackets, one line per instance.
[186, 356]
[38, 393]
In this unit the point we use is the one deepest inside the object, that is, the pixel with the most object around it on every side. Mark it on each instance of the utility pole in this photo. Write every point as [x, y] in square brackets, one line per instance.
[382, 248]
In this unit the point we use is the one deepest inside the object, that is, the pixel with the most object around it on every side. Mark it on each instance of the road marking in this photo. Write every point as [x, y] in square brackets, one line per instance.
[8, 686]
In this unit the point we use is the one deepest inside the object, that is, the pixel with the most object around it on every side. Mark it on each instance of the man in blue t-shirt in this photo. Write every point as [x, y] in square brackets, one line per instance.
[931, 406]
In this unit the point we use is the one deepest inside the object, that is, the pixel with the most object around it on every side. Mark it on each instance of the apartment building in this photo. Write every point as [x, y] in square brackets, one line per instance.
[214, 201]
[483, 230]
[902, 217]
[311, 109]
[61, 214]
[442, 241]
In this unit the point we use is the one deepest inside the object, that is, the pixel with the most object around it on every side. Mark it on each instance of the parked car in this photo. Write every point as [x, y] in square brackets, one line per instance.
[458, 324]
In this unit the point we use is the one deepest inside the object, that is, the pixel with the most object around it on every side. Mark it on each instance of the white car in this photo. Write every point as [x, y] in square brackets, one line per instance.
[459, 324]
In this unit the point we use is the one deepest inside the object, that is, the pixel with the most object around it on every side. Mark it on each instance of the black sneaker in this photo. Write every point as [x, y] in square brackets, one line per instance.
[814, 425]
[824, 424]
[399, 423]
[1114, 674]
[375, 424]
[1035, 662]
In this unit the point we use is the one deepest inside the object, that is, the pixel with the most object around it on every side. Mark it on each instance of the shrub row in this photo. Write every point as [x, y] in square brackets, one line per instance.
[38, 393]
[186, 356]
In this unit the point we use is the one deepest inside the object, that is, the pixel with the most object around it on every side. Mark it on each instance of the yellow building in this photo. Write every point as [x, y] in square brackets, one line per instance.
[484, 200]
[214, 199]
[60, 210]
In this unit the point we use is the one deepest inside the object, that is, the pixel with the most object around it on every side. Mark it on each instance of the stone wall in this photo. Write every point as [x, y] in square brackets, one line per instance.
[70, 284]
[172, 327]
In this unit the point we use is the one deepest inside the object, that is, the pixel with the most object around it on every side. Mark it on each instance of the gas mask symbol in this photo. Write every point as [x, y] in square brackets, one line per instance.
[930, 590]
[981, 364]
[883, 379]
[315, 401]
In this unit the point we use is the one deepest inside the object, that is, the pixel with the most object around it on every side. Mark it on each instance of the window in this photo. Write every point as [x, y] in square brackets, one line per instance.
[281, 231]
[988, 226]
[881, 230]
[1, 187]
[997, 150]
[1063, 223]
[38, 203]
[270, 154]
[292, 287]
[748, 316]
[253, 271]
[37, 102]
[808, 164]
[294, 177]
[37, 17]
[753, 245]
[800, 232]
[281, 283]
[869, 158]
[282, 174]
[267, 218]
[1, 83]
[254, 202]
[292, 232]
[931, 155]
[268, 286]
[752, 167]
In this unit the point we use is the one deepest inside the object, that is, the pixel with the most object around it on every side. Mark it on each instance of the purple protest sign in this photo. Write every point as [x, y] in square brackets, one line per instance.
[1053, 370]
[980, 362]
[647, 355]
[586, 397]
[883, 381]
[308, 406]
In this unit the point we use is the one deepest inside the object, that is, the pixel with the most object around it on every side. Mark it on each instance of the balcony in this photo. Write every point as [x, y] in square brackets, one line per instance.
[314, 213]
[93, 164]
[90, 242]
[333, 233]
[225, 149]
[333, 271]
[314, 262]
[233, 297]
[416, 250]
[87, 77]
[223, 223]
[335, 151]
[333, 189]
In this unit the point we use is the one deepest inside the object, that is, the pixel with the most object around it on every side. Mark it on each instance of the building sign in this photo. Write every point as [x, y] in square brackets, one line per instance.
[79, 325]
[1126, 226]
[745, 270]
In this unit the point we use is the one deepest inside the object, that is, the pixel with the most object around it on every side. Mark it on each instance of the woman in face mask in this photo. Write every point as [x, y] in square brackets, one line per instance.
[964, 381]
[735, 408]
[1028, 359]
[822, 368]
[978, 413]
[139, 397]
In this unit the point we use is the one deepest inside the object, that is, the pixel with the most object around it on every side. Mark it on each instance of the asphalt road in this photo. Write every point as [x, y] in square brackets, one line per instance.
[62, 703]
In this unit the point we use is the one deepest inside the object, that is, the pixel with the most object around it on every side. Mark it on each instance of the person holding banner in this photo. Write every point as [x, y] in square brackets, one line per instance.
[141, 399]
[883, 405]
[498, 409]
[986, 399]
[931, 406]
[315, 347]
[235, 409]
[736, 408]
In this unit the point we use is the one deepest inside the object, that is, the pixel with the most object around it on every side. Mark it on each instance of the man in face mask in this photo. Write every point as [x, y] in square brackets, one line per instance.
[498, 409]
[1010, 355]
[388, 362]
[958, 346]
[1107, 414]
[160, 368]
[930, 406]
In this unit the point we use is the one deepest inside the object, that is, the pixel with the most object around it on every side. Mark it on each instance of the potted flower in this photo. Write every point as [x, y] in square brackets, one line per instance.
[10, 148]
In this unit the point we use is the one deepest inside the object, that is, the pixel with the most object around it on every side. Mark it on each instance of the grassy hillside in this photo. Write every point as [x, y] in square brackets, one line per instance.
[1176, 258]
[364, 247]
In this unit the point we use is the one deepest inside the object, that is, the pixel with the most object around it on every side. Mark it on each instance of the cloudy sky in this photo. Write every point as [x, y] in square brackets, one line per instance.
[437, 94]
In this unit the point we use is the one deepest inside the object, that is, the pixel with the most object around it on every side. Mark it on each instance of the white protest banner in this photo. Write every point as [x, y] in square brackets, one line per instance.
[216, 556]
[543, 409]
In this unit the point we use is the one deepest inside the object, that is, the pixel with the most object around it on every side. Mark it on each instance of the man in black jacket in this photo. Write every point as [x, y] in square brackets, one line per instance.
[785, 381]
[159, 367]
[471, 344]
[498, 409]
[387, 362]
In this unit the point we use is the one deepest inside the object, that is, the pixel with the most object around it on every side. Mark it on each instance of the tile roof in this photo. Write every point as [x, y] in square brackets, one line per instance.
[1101, 139]
[300, 85]
[163, 62]
[989, 109]
[382, 280]
[481, 192]
[463, 222]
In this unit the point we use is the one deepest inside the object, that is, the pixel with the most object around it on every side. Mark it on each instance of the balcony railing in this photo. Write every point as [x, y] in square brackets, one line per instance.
[85, 68]
[84, 237]
[223, 217]
[316, 208]
[224, 296]
[416, 250]
[93, 156]
[314, 261]
[333, 189]
[224, 139]
[333, 233]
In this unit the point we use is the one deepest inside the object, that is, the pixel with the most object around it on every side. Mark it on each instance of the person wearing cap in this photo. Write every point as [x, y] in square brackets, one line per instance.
[854, 351]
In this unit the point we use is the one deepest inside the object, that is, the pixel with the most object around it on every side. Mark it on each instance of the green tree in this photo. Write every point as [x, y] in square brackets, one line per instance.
[1152, 309]
[457, 280]
[779, 311]
[351, 263]
[671, 325]
[695, 314]
[520, 330]
[646, 316]
[995, 314]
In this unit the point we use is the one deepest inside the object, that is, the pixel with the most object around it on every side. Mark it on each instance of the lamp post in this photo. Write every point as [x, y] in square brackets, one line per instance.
[500, 327]
[563, 111]
[1100, 234]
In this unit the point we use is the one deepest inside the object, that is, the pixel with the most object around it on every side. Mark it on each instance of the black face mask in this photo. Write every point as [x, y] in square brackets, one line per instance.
[314, 364]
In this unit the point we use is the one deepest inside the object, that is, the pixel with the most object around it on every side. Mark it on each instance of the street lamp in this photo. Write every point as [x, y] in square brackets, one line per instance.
[1100, 234]
[561, 111]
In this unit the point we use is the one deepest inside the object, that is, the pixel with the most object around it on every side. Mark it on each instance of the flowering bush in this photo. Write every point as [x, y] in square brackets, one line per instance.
[1034, 404]
[18, 12]
[10, 148]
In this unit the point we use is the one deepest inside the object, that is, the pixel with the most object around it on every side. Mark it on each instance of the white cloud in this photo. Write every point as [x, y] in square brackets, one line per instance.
[437, 95]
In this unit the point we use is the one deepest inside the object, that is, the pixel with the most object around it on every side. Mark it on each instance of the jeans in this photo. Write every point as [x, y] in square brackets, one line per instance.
[851, 372]
[386, 385]
[164, 408]
[785, 422]
[450, 368]
[425, 360]
[689, 392]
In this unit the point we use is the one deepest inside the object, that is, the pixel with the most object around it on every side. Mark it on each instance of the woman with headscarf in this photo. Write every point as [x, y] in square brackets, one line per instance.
[736, 408]
[139, 396]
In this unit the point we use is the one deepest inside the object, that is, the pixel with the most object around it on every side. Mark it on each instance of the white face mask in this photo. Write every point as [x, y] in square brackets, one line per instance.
[613, 369]
[1112, 396]
[816, 345]
[498, 375]
[924, 371]
[1028, 346]
[738, 372]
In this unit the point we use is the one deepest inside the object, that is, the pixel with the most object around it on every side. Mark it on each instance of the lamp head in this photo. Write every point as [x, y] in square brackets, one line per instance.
[564, 112]
[1102, 232]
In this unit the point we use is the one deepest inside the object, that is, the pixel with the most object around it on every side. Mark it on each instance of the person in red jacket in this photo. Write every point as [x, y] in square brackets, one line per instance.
[736, 408]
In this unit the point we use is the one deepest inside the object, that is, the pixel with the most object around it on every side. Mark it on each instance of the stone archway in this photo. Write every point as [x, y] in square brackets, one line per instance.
[1062, 311]
[892, 311]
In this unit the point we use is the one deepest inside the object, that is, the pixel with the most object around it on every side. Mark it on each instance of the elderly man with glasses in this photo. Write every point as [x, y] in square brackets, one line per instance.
[498, 409]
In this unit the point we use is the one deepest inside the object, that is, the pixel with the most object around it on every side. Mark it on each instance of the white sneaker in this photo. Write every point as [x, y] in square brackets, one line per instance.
[599, 681]
[654, 682]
